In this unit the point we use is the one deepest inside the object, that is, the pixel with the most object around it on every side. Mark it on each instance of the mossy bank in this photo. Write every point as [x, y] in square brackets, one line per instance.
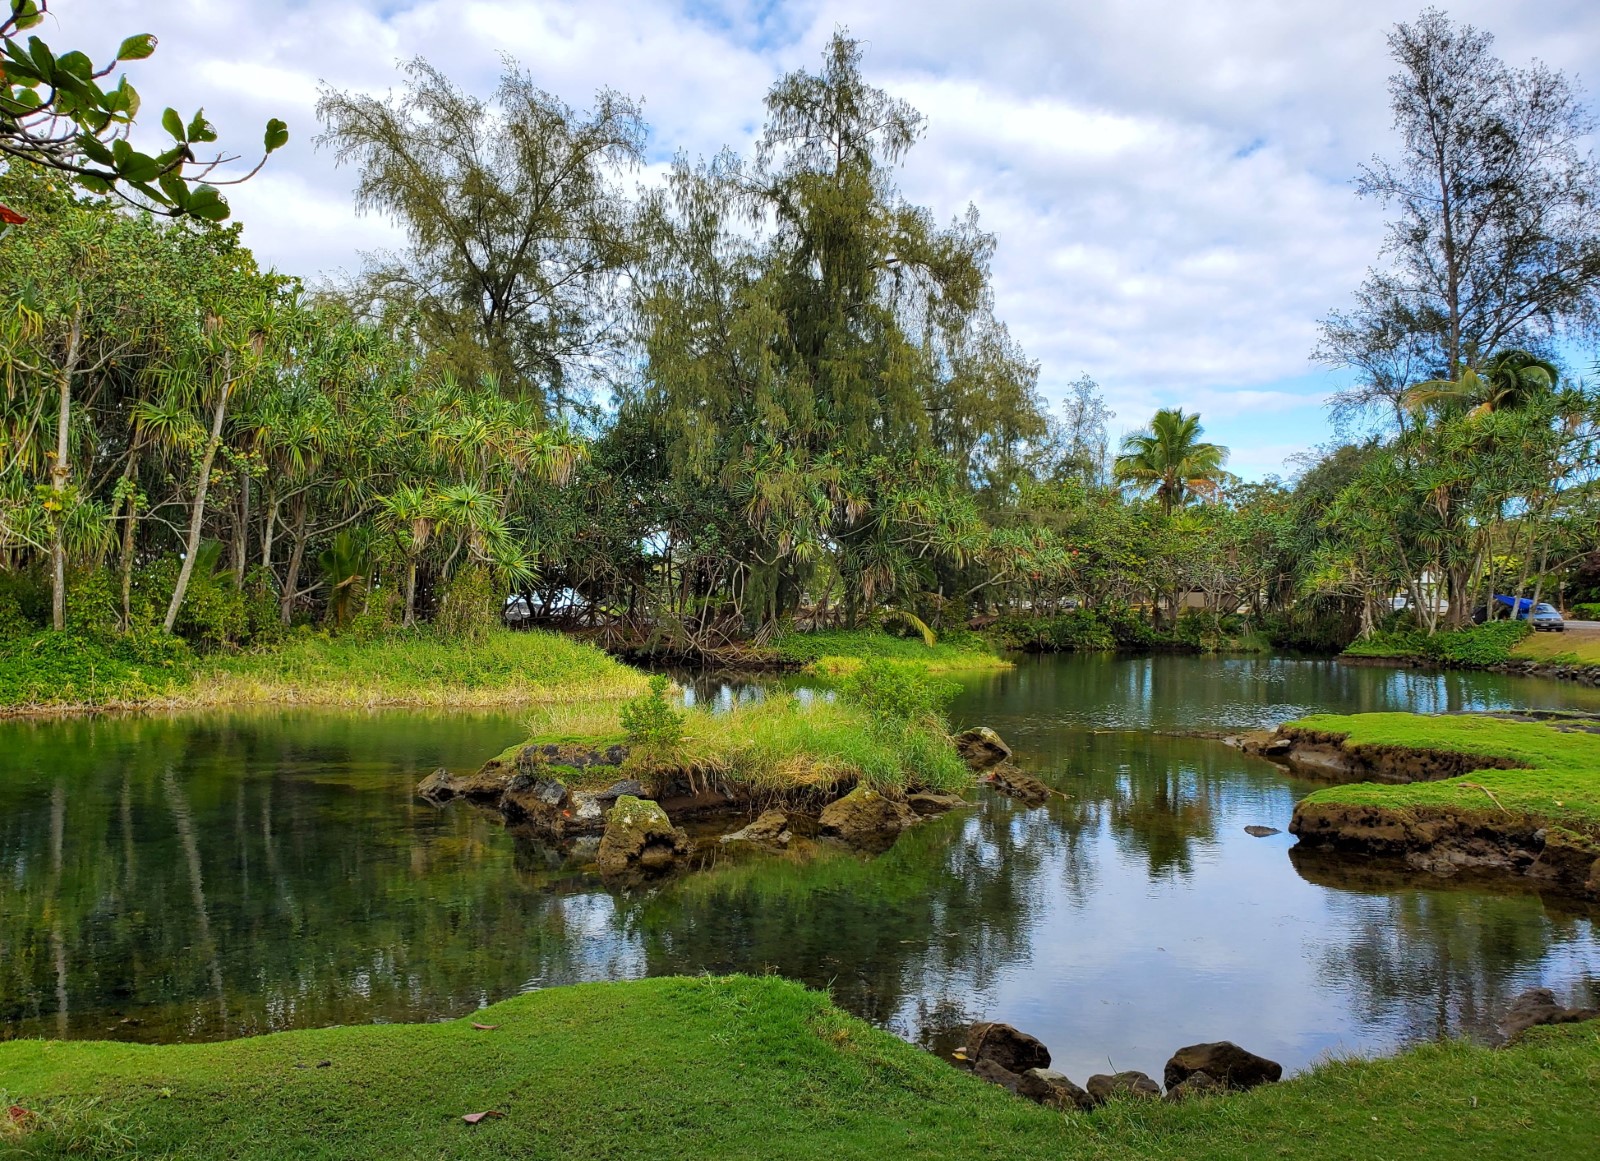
[1505, 793]
[741, 1067]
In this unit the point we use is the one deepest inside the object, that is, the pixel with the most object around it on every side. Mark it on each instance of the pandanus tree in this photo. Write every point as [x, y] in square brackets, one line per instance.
[1170, 460]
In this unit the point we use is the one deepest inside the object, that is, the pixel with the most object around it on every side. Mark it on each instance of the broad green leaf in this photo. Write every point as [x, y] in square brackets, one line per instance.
[78, 64]
[121, 152]
[175, 189]
[94, 184]
[205, 202]
[137, 47]
[26, 15]
[43, 59]
[95, 150]
[173, 124]
[277, 135]
[141, 168]
[200, 129]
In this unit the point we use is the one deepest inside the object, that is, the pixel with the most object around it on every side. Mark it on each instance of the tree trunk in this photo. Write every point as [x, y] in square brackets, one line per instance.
[129, 532]
[411, 593]
[241, 530]
[296, 555]
[59, 474]
[198, 512]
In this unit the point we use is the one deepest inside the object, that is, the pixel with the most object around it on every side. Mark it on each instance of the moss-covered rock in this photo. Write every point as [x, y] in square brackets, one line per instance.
[866, 819]
[640, 842]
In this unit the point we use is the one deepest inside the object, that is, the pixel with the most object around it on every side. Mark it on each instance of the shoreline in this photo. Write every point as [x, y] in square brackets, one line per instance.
[1504, 794]
[744, 1066]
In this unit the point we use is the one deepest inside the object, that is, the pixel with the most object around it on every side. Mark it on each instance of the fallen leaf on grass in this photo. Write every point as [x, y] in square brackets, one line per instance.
[485, 1027]
[474, 1118]
[18, 1114]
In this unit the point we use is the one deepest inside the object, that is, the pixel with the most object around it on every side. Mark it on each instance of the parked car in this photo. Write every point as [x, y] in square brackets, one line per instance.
[1548, 618]
[1543, 616]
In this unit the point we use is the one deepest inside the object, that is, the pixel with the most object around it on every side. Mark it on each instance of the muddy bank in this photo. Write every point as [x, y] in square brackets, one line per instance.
[1556, 671]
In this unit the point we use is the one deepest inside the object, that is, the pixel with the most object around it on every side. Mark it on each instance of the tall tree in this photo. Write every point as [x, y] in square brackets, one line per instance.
[516, 224]
[1496, 242]
[1171, 460]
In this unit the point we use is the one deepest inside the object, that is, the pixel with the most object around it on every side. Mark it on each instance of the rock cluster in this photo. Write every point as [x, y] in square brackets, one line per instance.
[530, 787]
[1020, 1063]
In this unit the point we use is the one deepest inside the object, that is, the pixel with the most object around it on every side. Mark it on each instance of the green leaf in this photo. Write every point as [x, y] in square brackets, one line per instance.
[131, 95]
[121, 152]
[141, 168]
[173, 124]
[176, 190]
[94, 184]
[205, 202]
[137, 47]
[78, 65]
[43, 60]
[95, 150]
[26, 15]
[200, 129]
[277, 135]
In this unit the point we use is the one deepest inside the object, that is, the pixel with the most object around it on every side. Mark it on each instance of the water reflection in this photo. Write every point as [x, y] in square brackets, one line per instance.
[205, 877]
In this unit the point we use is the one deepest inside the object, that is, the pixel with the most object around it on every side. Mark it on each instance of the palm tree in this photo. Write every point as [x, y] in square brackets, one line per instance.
[1170, 459]
[1507, 380]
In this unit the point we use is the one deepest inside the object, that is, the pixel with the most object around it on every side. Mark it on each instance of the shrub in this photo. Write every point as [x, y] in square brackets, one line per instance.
[649, 721]
[471, 606]
[1586, 611]
[898, 692]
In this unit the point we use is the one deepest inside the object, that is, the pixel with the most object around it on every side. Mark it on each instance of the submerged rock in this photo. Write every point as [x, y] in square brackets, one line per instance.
[1261, 831]
[1102, 1088]
[1027, 789]
[866, 819]
[640, 842]
[1052, 1089]
[1223, 1061]
[980, 747]
[1539, 1006]
[438, 787]
[769, 832]
[1004, 1045]
[927, 803]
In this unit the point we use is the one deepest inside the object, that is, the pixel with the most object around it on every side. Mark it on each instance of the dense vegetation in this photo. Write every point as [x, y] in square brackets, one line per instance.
[738, 1067]
[766, 394]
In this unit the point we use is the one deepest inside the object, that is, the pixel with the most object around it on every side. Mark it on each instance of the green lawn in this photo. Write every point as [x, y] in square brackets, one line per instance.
[1561, 783]
[744, 1068]
[839, 652]
[1572, 647]
[56, 672]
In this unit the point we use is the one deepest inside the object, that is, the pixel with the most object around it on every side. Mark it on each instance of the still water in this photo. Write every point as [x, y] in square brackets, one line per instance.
[198, 877]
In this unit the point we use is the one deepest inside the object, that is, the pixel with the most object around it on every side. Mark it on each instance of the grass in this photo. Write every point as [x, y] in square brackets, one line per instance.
[783, 742]
[742, 1067]
[57, 673]
[1476, 647]
[835, 653]
[1560, 785]
[1572, 647]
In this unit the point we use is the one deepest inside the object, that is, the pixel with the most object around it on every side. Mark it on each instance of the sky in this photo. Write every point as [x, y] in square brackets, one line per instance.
[1169, 180]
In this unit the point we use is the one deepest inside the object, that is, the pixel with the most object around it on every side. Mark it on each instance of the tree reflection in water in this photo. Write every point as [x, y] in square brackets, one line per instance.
[173, 879]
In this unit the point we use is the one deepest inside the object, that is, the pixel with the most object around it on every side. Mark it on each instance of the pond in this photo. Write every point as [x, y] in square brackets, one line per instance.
[166, 879]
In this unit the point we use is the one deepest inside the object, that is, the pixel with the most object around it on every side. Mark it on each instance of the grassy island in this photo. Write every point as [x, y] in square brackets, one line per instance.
[1498, 793]
[835, 653]
[740, 1067]
[1554, 776]
[54, 673]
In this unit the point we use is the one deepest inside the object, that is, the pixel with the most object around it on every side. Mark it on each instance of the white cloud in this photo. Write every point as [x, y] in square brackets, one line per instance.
[1169, 179]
